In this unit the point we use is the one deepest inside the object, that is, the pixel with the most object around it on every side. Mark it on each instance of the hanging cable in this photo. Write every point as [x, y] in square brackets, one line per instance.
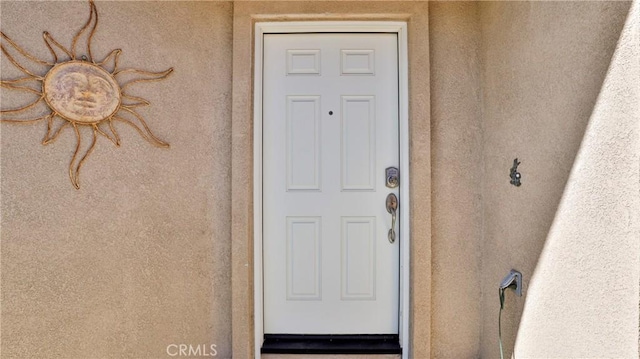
[501, 295]
[512, 280]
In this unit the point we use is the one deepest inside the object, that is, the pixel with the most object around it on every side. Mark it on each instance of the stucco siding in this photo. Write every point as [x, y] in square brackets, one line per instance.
[156, 248]
[544, 65]
[456, 145]
[139, 257]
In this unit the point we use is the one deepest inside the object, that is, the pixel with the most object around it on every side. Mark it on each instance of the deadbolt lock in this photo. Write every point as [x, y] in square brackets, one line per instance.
[392, 176]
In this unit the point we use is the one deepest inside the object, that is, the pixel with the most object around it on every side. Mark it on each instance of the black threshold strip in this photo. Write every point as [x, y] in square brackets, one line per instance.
[331, 344]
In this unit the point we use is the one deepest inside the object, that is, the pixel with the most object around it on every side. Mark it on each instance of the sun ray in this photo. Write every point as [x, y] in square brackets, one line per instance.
[154, 76]
[74, 170]
[115, 54]
[24, 108]
[47, 37]
[144, 131]
[19, 80]
[55, 56]
[53, 130]
[19, 88]
[93, 30]
[75, 154]
[24, 52]
[114, 135]
[20, 121]
[16, 64]
[140, 101]
[93, 14]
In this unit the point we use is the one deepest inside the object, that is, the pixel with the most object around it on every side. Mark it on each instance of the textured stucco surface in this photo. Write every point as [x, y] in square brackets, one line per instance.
[544, 64]
[508, 79]
[586, 280]
[139, 257]
[145, 254]
[456, 143]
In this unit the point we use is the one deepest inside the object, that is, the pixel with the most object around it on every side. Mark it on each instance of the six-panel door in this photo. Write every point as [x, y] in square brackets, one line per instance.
[330, 117]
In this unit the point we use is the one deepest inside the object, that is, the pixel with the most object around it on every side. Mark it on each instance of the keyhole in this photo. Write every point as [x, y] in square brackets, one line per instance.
[330, 113]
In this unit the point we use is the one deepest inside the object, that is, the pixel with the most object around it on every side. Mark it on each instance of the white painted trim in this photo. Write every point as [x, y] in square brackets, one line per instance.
[405, 233]
[258, 314]
[399, 28]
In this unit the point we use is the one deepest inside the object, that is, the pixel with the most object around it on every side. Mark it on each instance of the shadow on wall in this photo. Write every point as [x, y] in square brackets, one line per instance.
[583, 298]
[544, 66]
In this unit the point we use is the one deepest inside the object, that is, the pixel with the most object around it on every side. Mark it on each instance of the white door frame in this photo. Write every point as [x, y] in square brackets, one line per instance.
[399, 28]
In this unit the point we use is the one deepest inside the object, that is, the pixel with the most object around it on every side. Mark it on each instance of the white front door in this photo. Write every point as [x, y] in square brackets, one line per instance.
[330, 129]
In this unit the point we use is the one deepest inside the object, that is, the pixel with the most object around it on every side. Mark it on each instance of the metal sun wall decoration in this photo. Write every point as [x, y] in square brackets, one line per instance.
[78, 91]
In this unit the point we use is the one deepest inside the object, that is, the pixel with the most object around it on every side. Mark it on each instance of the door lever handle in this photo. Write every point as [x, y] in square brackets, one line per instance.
[392, 207]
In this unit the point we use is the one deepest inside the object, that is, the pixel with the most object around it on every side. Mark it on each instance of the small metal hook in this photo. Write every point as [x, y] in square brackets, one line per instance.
[514, 174]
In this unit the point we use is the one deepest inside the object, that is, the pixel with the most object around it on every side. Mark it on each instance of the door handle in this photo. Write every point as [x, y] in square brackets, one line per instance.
[392, 207]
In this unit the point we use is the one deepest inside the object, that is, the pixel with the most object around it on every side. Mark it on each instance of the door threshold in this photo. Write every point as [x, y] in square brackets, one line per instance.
[331, 344]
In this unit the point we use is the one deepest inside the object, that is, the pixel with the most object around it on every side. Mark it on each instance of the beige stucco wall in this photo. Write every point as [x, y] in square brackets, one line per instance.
[139, 257]
[456, 147]
[585, 281]
[543, 69]
[510, 79]
[156, 248]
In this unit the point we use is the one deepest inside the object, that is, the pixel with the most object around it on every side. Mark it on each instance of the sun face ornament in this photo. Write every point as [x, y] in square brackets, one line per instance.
[79, 92]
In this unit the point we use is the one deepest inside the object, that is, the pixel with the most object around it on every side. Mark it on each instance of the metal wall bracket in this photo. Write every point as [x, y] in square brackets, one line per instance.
[514, 174]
